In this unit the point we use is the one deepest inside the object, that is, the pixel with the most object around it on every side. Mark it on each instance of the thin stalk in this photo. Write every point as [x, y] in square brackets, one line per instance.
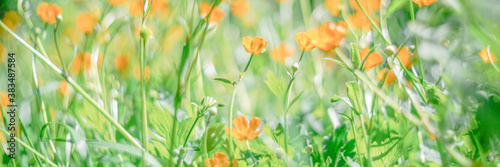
[74, 85]
[412, 15]
[229, 120]
[190, 130]
[205, 149]
[373, 24]
[367, 139]
[250, 151]
[57, 48]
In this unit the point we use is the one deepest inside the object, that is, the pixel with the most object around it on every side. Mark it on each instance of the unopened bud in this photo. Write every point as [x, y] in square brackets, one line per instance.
[213, 111]
[38, 31]
[146, 32]
[309, 149]
[295, 67]
[59, 17]
[390, 50]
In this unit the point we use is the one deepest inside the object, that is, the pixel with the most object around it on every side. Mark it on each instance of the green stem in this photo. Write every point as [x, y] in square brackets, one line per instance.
[74, 85]
[205, 149]
[144, 113]
[248, 64]
[57, 48]
[190, 130]
[373, 24]
[367, 139]
[412, 15]
[18, 140]
[250, 151]
[230, 119]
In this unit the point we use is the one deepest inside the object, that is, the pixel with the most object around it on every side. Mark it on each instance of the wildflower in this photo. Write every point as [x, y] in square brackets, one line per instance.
[389, 80]
[11, 19]
[4, 99]
[421, 3]
[485, 55]
[243, 130]
[48, 12]
[333, 6]
[63, 88]
[239, 8]
[3, 52]
[254, 46]
[281, 52]
[121, 63]
[136, 8]
[220, 160]
[390, 50]
[368, 5]
[374, 59]
[405, 57]
[85, 23]
[117, 2]
[360, 21]
[304, 41]
[216, 16]
[84, 59]
[137, 73]
[328, 36]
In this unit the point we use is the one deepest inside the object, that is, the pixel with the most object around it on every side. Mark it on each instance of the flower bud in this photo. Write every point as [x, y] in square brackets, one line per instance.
[295, 67]
[38, 31]
[59, 18]
[390, 50]
[309, 149]
[213, 111]
[146, 32]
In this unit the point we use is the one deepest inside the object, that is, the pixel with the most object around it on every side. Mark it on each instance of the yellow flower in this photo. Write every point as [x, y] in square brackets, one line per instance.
[48, 12]
[121, 63]
[239, 8]
[486, 57]
[84, 59]
[137, 73]
[86, 22]
[11, 19]
[328, 36]
[421, 3]
[374, 59]
[71, 34]
[368, 5]
[243, 130]
[117, 2]
[281, 52]
[389, 80]
[216, 16]
[220, 160]
[63, 88]
[304, 41]
[254, 46]
[333, 6]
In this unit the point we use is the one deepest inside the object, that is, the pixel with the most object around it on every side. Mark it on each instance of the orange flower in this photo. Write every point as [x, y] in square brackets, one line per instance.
[405, 57]
[333, 6]
[86, 22]
[254, 46]
[374, 59]
[48, 12]
[220, 160]
[239, 8]
[304, 41]
[117, 2]
[121, 63]
[360, 21]
[368, 5]
[71, 34]
[328, 36]
[63, 88]
[243, 130]
[3, 52]
[86, 58]
[11, 19]
[421, 3]
[216, 16]
[389, 80]
[4, 99]
[281, 52]
[485, 55]
[137, 73]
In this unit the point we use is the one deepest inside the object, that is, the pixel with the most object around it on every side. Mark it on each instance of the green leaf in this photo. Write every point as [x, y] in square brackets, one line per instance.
[355, 96]
[338, 62]
[223, 80]
[131, 150]
[355, 58]
[295, 99]
[395, 6]
[277, 86]
[214, 134]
